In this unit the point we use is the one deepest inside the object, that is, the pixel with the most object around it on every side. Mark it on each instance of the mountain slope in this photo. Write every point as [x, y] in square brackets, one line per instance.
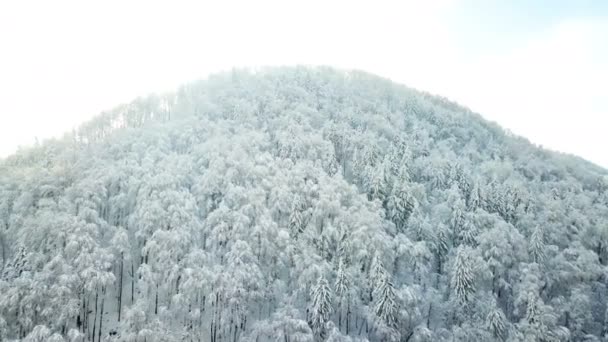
[300, 204]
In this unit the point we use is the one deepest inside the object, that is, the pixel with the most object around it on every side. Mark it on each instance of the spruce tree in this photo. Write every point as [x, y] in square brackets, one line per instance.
[496, 322]
[463, 282]
[537, 246]
[321, 307]
[385, 300]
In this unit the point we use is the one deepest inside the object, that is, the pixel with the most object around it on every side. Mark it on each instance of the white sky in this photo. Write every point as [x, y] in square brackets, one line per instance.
[537, 71]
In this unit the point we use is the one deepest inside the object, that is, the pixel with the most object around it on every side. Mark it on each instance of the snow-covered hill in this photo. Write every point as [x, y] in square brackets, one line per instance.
[300, 204]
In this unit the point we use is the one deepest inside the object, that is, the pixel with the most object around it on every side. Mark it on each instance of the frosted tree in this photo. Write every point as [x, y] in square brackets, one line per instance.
[41, 333]
[242, 285]
[401, 205]
[475, 198]
[457, 218]
[296, 221]
[534, 327]
[502, 248]
[377, 184]
[321, 307]
[467, 234]
[463, 277]
[398, 156]
[284, 325]
[334, 334]
[376, 268]
[497, 323]
[385, 300]
[536, 245]
[122, 249]
[343, 296]
[440, 248]
[579, 313]
[16, 266]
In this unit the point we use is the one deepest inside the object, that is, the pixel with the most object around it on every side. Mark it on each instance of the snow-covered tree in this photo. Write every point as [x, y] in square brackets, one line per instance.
[385, 301]
[536, 245]
[463, 276]
[497, 323]
[342, 292]
[321, 307]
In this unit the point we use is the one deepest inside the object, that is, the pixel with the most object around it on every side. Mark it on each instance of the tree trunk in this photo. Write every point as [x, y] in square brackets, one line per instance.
[156, 301]
[340, 316]
[103, 298]
[132, 283]
[85, 326]
[95, 318]
[80, 319]
[347, 317]
[361, 326]
[120, 286]
[219, 318]
[214, 319]
[439, 266]
[3, 245]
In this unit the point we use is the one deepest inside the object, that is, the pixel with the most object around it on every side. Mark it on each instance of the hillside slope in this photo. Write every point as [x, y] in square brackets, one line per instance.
[300, 204]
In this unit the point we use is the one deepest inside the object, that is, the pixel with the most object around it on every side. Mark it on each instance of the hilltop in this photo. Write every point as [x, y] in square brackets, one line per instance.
[300, 204]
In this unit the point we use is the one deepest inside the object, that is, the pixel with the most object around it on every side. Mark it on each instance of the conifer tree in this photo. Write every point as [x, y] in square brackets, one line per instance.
[496, 322]
[321, 307]
[296, 224]
[463, 282]
[536, 245]
[385, 300]
[342, 294]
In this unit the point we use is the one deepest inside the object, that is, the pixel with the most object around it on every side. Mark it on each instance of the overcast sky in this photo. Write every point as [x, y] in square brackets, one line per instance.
[538, 68]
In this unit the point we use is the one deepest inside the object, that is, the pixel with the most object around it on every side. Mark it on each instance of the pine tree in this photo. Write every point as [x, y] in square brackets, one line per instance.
[296, 224]
[342, 281]
[377, 184]
[535, 328]
[441, 249]
[468, 233]
[374, 271]
[341, 290]
[321, 307]
[475, 198]
[401, 205]
[496, 322]
[14, 268]
[532, 309]
[385, 304]
[457, 220]
[442, 241]
[399, 155]
[463, 282]
[536, 246]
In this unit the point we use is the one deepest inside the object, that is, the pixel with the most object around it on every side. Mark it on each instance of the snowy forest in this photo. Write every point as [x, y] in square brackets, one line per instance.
[300, 204]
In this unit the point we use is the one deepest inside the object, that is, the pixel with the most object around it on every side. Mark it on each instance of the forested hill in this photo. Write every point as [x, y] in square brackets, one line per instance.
[300, 204]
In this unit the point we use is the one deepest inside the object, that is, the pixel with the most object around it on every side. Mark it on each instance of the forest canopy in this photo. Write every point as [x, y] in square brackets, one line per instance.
[300, 204]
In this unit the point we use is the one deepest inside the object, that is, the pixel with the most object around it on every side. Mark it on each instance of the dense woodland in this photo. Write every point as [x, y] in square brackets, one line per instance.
[300, 204]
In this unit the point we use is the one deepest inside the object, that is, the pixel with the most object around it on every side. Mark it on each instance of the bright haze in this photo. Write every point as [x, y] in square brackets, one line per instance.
[537, 68]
